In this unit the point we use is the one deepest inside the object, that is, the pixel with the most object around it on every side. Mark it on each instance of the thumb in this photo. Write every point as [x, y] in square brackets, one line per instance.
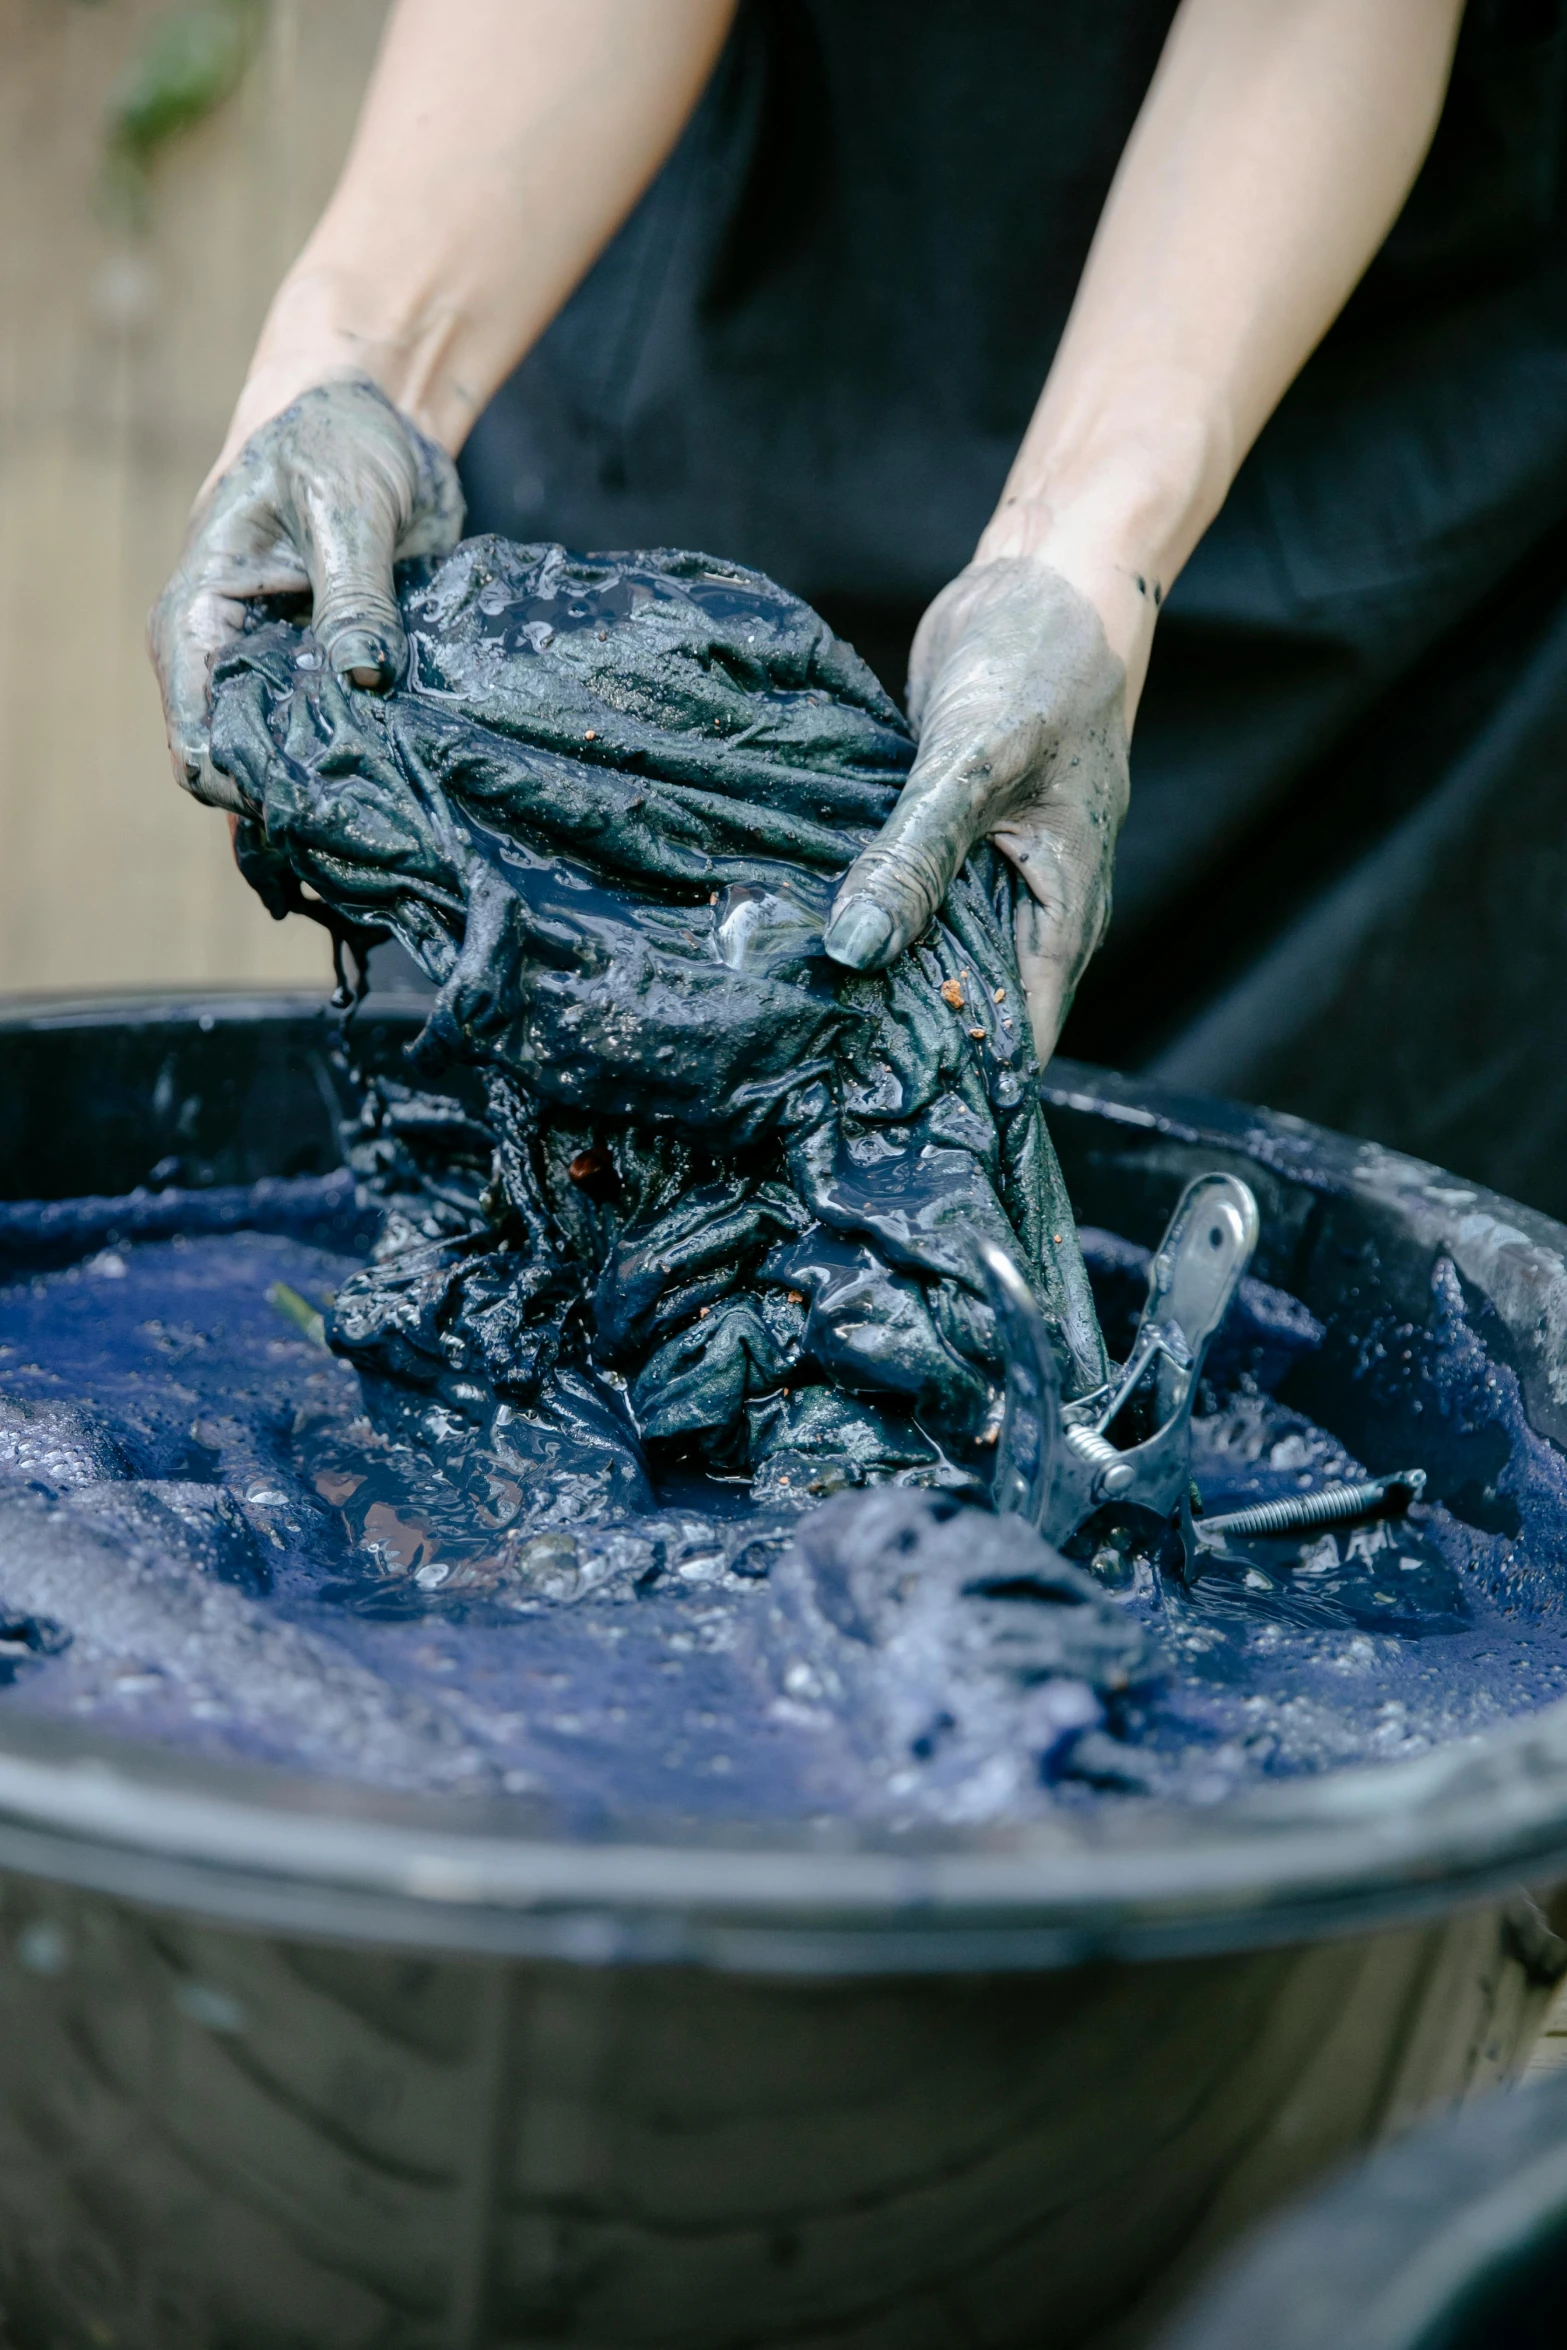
[894, 887]
[971, 757]
[350, 523]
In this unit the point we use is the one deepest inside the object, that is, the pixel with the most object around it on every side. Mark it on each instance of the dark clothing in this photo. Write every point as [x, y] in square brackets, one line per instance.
[814, 347]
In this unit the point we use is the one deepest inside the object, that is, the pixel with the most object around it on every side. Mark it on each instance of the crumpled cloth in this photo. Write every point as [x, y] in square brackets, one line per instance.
[669, 1172]
[951, 1657]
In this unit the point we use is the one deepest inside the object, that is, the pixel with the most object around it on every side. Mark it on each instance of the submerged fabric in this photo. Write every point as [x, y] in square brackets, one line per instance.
[1343, 882]
[716, 1192]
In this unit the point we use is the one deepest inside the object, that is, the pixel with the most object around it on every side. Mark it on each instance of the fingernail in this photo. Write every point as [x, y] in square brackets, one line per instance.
[859, 934]
[363, 659]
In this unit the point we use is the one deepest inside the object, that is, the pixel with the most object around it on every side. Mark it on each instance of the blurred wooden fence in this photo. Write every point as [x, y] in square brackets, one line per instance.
[121, 349]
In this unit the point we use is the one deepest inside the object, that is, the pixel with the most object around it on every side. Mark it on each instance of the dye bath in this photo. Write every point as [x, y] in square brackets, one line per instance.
[616, 1427]
[214, 1532]
[921, 2057]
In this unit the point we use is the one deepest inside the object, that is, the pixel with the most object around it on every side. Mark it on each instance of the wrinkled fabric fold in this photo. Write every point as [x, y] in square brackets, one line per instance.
[653, 1136]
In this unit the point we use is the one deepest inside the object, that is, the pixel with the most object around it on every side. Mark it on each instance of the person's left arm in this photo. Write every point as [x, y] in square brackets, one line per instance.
[1274, 150]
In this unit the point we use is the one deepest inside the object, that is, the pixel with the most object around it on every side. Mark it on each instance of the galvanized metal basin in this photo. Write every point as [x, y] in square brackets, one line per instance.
[287, 2063]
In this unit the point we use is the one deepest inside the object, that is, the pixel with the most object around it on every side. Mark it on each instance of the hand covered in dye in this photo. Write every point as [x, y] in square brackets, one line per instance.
[323, 499]
[1020, 706]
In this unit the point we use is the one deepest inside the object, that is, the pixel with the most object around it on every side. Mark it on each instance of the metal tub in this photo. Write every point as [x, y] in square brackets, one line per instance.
[285, 2064]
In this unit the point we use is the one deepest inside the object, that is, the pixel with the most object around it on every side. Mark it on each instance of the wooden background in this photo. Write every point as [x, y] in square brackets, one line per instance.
[121, 350]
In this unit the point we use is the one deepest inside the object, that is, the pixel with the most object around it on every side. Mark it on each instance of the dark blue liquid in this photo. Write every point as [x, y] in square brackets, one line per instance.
[161, 1411]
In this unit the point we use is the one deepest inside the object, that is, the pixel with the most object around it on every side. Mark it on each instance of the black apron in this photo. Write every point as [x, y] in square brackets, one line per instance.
[814, 347]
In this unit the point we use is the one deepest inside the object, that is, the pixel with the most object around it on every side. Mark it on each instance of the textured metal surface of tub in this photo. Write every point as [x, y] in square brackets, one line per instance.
[1455, 2240]
[288, 2064]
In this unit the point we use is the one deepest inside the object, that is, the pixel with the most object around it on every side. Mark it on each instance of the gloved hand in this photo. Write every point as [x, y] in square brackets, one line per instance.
[326, 496]
[1020, 705]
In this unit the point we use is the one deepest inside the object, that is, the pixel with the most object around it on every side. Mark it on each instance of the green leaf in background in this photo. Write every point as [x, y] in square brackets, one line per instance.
[191, 60]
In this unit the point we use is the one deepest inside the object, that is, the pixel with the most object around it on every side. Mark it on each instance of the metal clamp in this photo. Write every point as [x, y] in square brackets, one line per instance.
[1056, 1464]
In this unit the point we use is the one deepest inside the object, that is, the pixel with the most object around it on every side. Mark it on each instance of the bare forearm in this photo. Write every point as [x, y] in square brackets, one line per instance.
[501, 144]
[1272, 155]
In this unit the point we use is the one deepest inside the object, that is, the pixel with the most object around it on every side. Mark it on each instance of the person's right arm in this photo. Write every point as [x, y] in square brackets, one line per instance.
[501, 144]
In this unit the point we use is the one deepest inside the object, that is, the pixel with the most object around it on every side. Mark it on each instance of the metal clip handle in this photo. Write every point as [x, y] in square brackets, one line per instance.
[1056, 1464]
[1028, 1449]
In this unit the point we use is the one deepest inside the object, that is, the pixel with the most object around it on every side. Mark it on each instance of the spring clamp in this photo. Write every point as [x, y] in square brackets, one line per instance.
[1057, 1465]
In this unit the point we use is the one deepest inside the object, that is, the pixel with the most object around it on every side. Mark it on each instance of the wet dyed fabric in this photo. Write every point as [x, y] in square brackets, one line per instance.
[704, 1192]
